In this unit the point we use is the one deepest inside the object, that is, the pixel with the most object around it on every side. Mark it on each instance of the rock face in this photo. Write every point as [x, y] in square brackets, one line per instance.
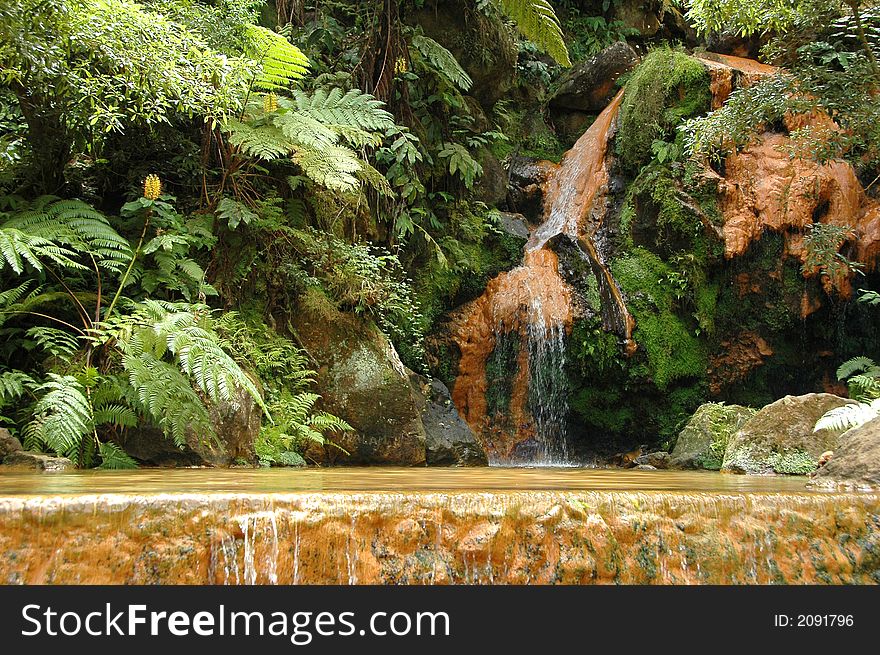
[8, 444]
[856, 461]
[589, 86]
[39, 461]
[361, 379]
[703, 441]
[449, 440]
[236, 428]
[780, 437]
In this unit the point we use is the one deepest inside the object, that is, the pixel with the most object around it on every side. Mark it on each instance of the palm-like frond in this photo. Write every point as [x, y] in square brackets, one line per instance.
[62, 416]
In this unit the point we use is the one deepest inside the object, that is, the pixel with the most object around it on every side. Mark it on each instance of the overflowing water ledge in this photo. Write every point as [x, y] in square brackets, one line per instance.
[510, 535]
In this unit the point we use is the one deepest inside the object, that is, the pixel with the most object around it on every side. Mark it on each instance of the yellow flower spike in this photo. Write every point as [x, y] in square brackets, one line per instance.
[152, 187]
[400, 66]
[270, 103]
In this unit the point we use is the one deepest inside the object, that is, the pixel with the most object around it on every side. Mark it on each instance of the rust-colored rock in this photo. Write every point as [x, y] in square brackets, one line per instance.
[736, 358]
[552, 537]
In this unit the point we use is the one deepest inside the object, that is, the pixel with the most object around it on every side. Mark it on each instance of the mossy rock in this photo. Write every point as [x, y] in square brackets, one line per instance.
[703, 441]
[361, 379]
[668, 87]
[780, 437]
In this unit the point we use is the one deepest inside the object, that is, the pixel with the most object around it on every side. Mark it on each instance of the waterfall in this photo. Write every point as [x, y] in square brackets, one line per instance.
[523, 318]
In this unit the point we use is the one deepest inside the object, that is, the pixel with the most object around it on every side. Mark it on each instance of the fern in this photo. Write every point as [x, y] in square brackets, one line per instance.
[59, 231]
[848, 416]
[13, 385]
[281, 62]
[538, 22]
[333, 167]
[264, 142]
[442, 61]
[113, 457]
[62, 417]
[866, 385]
[57, 343]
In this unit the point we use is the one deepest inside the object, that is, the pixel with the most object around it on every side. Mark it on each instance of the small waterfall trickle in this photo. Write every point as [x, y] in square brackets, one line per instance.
[548, 390]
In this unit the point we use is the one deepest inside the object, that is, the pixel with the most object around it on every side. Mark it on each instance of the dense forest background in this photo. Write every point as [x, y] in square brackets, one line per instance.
[205, 204]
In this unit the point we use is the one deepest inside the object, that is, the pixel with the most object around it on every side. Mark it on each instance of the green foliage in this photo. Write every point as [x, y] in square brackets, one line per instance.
[538, 22]
[443, 61]
[822, 243]
[672, 349]
[667, 87]
[795, 462]
[588, 35]
[281, 62]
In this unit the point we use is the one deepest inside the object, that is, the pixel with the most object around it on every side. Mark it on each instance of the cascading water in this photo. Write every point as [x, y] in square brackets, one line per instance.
[511, 386]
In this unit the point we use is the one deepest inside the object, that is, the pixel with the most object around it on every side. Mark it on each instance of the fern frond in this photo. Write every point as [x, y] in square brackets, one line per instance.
[334, 167]
[848, 416]
[62, 416]
[265, 142]
[538, 22]
[855, 365]
[113, 457]
[57, 343]
[281, 62]
[13, 385]
[442, 61]
[338, 110]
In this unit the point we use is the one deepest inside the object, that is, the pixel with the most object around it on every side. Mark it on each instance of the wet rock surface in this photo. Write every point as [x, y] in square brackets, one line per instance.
[552, 537]
[362, 380]
[589, 86]
[38, 461]
[8, 444]
[449, 440]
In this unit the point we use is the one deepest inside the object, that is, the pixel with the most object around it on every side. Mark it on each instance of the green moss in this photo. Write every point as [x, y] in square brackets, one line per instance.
[673, 350]
[500, 366]
[793, 463]
[666, 88]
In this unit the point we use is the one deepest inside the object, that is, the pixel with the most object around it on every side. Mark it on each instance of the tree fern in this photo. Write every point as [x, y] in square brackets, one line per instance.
[333, 167]
[538, 22]
[265, 142]
[281, 62]
[114, 457]
[442, 61]
[866, 385]
[336, 109]
[57, 343]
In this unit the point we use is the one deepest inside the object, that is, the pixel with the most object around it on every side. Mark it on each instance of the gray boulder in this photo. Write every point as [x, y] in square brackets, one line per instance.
[780, 437]
[38, 461]
[856, 461]
[8, 444]
[362, 380]
[590, 85]
[702, 442]
[449, 439]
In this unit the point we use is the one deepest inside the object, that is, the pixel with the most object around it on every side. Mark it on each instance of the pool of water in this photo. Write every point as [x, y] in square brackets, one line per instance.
[383, 479]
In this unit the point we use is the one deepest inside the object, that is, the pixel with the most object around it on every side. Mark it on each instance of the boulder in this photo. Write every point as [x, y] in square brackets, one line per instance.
[236, 427]
[39, 461]
[856, 460]
[8, 444]
[362, 380]
[780, 437]
[702, 442]
[589, 86]
[638, 16]
[449, 439]
[526, 180]
[514, 225]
